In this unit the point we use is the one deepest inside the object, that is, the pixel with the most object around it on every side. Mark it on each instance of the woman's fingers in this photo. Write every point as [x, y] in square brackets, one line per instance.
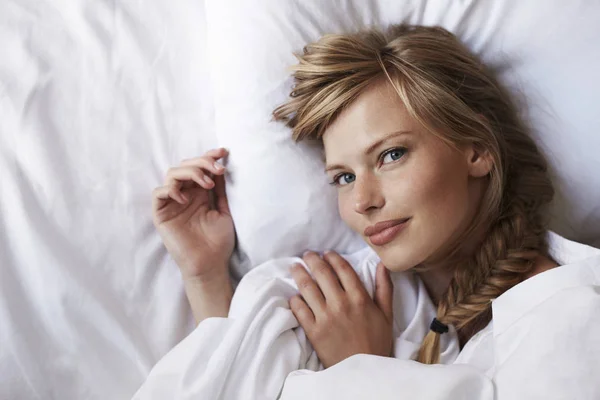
[302, 312]
[384, 292]
[202, 168]
[178, 175]
[207, 162]
[221, 201]
[346, 274]
[308, 288]
[192, 171]
[161, 195]
[324, 275]
[168, 192]
[214, 154]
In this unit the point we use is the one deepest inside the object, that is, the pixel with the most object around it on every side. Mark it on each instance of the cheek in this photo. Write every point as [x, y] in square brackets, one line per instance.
[441, 195]
[346, 210]
[435, 195]
[443, 189]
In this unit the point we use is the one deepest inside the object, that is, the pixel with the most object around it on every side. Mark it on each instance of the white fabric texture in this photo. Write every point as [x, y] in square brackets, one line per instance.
[249, 354]
[97, 100]
[545, 50]
[542, 343]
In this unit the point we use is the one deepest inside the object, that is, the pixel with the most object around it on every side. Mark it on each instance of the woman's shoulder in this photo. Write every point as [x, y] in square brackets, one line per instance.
[576, 270]
[541, 264]
[567, 251]
[558, 339]
[563, 252]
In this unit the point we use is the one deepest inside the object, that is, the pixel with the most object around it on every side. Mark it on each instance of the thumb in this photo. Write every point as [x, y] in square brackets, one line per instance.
[221, 202]
[384, 291]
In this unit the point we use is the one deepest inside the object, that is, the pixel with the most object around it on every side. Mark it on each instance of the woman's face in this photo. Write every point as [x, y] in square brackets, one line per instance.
[387, 167]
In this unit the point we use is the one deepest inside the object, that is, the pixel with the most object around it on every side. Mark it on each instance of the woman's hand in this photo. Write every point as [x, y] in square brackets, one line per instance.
[197, 231]
[338, 315]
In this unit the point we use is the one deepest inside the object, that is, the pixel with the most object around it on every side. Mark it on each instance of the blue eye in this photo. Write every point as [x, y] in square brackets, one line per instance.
[393, 155]
[386, 157]
[349, 178]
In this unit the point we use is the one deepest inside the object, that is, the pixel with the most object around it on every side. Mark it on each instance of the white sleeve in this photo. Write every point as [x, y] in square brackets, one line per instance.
[371, 377]
[245, 356]
[551, 352]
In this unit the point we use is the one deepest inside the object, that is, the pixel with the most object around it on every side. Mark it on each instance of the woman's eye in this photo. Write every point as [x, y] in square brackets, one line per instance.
[343, 179]
[392, 155]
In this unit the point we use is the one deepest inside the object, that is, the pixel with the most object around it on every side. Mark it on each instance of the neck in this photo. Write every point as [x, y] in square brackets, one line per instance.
[436, 279]
[437, 275]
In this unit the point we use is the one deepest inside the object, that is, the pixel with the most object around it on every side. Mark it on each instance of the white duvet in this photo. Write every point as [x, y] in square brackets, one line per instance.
[543, 343]
[99, 98]
[249, 354]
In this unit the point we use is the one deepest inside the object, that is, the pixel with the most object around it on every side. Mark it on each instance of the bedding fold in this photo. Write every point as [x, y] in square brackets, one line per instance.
[249, 354]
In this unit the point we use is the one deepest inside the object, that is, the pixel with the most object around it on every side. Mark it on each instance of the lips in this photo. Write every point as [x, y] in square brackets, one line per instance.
[384, 232]
[381, 226]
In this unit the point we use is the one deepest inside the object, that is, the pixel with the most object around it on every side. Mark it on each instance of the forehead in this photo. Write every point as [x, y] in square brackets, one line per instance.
[377, 112]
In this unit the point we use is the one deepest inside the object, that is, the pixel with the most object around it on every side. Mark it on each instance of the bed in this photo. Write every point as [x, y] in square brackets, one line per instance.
[98, 99]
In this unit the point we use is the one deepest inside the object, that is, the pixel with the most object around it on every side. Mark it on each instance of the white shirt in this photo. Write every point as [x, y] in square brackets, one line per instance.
[545, 333]
[543, 343]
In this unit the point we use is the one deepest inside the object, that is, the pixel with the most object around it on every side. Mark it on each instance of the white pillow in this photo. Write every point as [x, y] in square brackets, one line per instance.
[278, 193]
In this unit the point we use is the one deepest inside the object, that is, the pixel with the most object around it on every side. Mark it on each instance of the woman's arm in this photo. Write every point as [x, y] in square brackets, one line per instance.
[197, 230]
[209, 297]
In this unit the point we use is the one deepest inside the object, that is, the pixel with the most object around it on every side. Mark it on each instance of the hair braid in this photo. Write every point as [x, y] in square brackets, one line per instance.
[509, 248]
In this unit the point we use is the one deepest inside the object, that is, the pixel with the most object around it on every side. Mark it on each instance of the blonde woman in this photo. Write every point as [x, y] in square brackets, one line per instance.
[435, 168]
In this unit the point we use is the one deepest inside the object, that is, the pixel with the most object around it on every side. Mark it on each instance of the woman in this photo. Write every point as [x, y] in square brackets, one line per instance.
[434, 168]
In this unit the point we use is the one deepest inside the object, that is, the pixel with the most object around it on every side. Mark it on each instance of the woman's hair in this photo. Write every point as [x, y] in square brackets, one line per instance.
[452, 94]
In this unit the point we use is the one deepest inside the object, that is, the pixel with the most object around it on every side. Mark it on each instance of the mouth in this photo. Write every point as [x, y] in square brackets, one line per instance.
[384, 232]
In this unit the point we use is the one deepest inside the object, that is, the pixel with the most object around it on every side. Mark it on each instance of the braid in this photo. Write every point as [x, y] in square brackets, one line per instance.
[503, 259]
[509, 250]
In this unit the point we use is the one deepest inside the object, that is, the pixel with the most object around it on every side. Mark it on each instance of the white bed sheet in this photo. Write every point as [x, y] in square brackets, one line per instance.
[97, 100]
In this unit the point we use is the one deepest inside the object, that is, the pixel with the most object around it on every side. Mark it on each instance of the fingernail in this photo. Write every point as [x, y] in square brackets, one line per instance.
[185, 198]
[218, 166]
[207, 179]
[307, 252]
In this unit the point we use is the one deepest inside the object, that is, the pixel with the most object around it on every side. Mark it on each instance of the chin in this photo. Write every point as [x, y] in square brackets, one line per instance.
[404, 252]
[395, 258]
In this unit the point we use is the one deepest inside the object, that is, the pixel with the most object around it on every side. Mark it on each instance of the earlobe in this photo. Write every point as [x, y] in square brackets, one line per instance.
[480, 162]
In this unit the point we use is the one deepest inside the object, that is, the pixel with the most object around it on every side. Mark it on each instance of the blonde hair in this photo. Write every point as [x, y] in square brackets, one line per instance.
[451, 93]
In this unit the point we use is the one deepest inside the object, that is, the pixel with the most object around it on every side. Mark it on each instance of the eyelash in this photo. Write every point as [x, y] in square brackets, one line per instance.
[334, 182]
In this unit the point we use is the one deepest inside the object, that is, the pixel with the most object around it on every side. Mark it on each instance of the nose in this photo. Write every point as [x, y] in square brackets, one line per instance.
[367, 195]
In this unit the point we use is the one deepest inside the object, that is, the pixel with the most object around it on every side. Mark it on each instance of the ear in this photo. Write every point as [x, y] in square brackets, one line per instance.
[479, 161]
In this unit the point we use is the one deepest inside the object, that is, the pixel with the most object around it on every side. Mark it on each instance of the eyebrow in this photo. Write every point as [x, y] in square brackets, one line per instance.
[371, 148]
